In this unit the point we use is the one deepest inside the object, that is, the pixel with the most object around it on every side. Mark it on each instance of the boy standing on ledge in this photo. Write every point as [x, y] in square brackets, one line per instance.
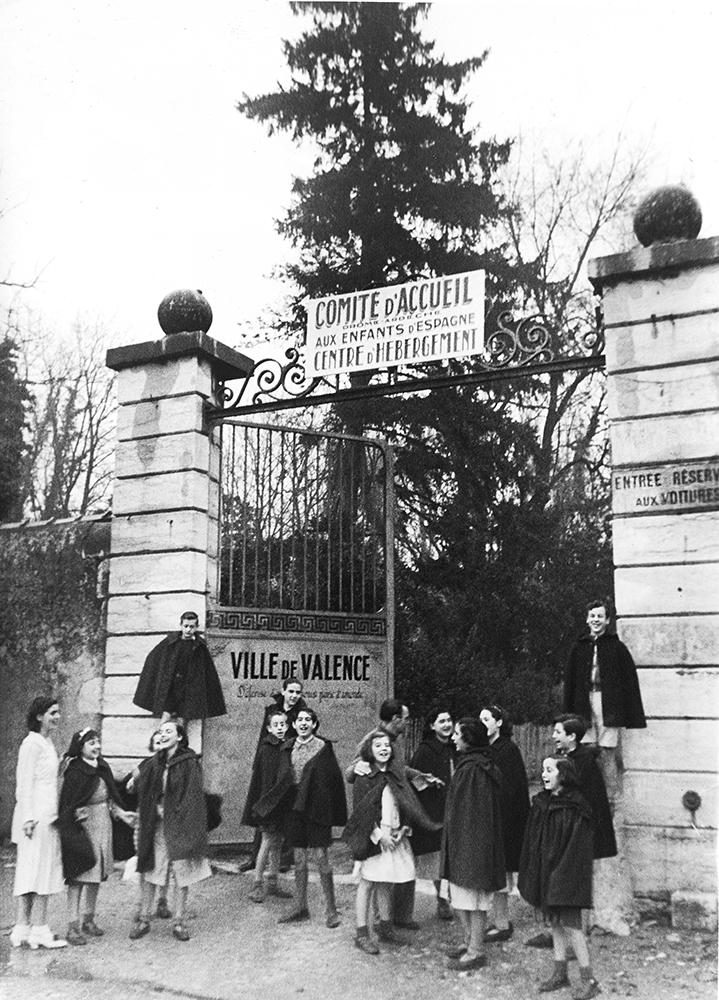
[179, 678]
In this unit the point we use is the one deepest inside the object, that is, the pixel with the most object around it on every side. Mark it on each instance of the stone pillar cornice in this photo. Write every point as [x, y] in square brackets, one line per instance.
[226, 362]
[653, 261]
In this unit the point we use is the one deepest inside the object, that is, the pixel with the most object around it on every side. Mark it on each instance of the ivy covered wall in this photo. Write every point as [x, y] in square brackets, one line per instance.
[52, 632]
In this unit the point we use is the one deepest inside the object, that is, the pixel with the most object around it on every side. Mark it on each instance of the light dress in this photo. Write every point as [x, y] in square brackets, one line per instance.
[185, 871]
[39, 860]
[99, 829]
[389, 866]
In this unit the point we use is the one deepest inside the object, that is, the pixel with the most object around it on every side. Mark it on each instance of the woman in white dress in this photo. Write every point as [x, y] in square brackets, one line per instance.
[38, 870]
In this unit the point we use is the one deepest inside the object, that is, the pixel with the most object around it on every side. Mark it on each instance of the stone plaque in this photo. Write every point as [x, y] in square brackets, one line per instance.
[675, 488]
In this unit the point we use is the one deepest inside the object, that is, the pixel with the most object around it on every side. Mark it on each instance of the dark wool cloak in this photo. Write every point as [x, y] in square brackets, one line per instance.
[78, 786]
[472, 852]
[591, 785]
[621, 698]
[264, 775]
[185, 811]
[515, 797]
[433, 757]
[556, 864]
[203, 691]
[319, 795]
[367, 812]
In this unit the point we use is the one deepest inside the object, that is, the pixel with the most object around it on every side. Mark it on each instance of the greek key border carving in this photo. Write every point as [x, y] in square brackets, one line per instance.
[248, 620]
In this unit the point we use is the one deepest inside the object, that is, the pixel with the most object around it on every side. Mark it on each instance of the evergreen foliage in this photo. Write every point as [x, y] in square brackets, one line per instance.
[502, 513]
[400, 188]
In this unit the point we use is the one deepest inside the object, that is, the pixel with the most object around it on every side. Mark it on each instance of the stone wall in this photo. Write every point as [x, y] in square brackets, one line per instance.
[52, 640]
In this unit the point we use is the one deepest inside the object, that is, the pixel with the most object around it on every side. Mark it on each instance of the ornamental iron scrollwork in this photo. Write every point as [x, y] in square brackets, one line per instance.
[527, 346]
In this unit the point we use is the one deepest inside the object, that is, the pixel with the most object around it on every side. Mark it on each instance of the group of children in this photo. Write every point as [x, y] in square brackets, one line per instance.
[297, 795]
[482, 830]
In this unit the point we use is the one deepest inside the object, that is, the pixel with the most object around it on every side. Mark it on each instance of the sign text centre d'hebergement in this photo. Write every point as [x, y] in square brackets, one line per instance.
[427, 320]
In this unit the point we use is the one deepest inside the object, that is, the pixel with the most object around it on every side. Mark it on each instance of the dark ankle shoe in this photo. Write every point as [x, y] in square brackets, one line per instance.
[557, 980]
[139, 929]
[366, 944]
[181, 932]
[90, 927]
[74, 935]
[542, 940]
[386, 932]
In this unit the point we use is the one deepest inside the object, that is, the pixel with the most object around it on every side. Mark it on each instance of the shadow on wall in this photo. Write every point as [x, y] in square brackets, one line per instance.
[52, 640]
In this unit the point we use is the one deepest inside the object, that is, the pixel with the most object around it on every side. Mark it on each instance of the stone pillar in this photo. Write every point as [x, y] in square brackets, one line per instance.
[165, 509]
[661, 315]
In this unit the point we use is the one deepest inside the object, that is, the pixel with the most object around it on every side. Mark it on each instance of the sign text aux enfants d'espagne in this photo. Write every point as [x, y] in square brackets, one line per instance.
[427, 320]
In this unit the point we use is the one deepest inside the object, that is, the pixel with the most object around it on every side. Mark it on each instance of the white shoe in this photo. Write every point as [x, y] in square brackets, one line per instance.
[42, 937]
[19, 935]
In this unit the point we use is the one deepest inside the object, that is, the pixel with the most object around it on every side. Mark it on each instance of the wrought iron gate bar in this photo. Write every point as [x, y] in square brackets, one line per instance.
[524, 347]
[303, 524]
[376, 390]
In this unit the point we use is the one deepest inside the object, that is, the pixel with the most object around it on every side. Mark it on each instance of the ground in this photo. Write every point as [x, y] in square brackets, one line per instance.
[238, 951]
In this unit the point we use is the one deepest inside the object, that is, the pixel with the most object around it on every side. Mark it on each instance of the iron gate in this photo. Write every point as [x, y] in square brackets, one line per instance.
[305, 521]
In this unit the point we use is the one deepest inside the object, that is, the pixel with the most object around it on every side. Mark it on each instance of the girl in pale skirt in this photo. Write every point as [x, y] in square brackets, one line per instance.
[378, 836]
[172, 831]
[38, 870]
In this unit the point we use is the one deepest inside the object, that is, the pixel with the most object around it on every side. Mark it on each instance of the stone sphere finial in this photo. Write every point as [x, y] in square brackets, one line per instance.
[184, 311]
[666, 215]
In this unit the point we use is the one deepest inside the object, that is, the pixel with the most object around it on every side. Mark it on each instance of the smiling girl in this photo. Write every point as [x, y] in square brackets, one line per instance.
[172, 834]
[377, 834]
[555, 870]
[88, 798]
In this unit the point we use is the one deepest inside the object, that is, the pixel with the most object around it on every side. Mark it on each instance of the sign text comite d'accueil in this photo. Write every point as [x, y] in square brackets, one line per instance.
[427, 320]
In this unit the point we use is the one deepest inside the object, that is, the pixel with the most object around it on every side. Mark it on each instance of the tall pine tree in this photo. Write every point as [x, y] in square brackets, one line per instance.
[401, 188]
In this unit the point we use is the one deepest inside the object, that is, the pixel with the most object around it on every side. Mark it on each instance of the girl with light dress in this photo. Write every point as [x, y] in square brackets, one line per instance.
[38, 870]
[378, 836]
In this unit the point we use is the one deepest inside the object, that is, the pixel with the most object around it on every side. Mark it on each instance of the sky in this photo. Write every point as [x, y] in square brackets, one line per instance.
[126, 172]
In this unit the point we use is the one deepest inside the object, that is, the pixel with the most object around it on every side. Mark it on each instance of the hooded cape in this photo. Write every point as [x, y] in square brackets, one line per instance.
[433, 757]
[79, 783]
[621, 698]
[203, 693]
[592, 787]
[556, 864]
[515, 797]
[472, 852]
[319, 795]
[185, 810]
[367, 812]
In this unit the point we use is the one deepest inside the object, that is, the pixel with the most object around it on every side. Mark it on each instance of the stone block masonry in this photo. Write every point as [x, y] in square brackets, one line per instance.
[661, 314]
[165, 513]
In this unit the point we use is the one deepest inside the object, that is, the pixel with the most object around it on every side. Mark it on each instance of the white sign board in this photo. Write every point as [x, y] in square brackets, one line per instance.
[427, 320]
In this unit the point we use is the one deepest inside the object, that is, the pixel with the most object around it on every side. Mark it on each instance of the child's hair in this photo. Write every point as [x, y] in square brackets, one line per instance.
[366, 746]
[313, 715]
[431, 717]
[572, 725]
[600, 602]
[79, 740]
[499, 715]
[274, 714]
[474, 732]
[292, 680]
[43, 703]
[567, 771]
[190, 615]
